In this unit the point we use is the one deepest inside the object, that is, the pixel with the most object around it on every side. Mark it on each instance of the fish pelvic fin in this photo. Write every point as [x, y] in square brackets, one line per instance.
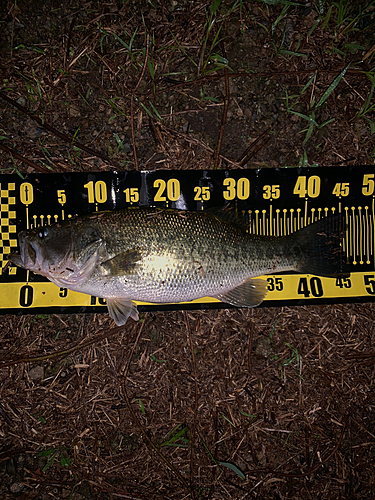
[249, 294]
[320, 248]
[120, 310]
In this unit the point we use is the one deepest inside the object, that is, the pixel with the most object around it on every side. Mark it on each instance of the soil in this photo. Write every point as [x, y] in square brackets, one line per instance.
[264, 403]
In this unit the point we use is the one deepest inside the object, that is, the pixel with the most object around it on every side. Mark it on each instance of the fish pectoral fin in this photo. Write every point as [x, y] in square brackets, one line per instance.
[121, 263]
[249, 294]
[121, 309]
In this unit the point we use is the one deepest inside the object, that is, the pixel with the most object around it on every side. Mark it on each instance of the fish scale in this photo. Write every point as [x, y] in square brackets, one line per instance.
[163, 255]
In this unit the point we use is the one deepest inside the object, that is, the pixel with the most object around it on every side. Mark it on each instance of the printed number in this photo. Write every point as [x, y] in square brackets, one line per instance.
[313, 287]
[173, 190]
[240, 188]
[341, 189]
[202, 193]
[101, 301]
[275, 284]
[310, 188]
[26, 193]
[61, 196]
[343, 283]
[131, 195]
[63, 292]
[370, 283]
[271, 192]
[368, 184]
[26, 296]
[96, 192]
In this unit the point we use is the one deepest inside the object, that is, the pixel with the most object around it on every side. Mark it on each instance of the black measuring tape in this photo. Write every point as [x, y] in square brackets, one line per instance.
[276, 202]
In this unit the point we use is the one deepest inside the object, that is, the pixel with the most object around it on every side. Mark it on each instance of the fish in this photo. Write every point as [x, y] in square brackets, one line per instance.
[162, 256]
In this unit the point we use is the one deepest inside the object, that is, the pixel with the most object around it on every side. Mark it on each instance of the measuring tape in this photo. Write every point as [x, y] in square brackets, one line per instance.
[276, 202]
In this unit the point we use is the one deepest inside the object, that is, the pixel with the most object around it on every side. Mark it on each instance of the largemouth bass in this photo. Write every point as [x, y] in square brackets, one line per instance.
[162, 255]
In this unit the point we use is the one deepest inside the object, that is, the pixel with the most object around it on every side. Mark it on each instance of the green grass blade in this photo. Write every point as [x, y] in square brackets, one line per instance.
[291, 53]
[47, 453]
[332, 87]
[327, 18]
[305, 117]
[155, 111]
[326, 122]
[121, 41]
[311, 79]
[215, 6]
[227, 419]
[281, 16]
[233, 467]
[282, 2]
[247, 414]
[141, 405]
[147, 111]
[309, 133]
[367, 105]
[303, 161]
[313, 28]
[179, 435]
[371, 124]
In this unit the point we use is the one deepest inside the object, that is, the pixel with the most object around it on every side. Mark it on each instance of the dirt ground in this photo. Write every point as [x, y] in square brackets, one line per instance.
[273, 403]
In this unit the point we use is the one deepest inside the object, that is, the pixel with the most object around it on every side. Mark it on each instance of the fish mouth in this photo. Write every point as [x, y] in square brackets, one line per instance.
[28, 253]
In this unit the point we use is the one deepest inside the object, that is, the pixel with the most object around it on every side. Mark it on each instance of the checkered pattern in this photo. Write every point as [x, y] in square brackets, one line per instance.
[8, 229]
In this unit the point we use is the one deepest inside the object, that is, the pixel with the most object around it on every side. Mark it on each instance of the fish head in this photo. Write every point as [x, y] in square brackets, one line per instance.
[64, 253]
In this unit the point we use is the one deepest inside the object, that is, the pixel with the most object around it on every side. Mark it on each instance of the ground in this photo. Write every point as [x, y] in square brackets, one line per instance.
[267, 403]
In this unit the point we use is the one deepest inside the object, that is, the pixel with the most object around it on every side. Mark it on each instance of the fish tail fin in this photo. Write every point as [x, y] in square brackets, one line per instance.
[321, 248]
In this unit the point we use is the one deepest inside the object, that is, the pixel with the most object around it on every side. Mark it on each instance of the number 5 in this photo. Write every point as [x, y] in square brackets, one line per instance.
[61, 196]
[368, 184]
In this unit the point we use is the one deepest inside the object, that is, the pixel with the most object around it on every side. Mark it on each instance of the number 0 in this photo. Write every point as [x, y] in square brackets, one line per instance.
[26, 296]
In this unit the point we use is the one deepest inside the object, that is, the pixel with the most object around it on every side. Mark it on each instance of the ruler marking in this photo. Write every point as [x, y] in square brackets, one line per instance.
[271, 221]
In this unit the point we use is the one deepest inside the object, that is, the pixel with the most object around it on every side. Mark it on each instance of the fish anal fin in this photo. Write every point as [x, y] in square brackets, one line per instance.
[121, 309]
[121, 263]
[249, 294]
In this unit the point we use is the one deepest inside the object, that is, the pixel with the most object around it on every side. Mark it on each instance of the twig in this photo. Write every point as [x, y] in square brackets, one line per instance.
[55, 82]
[244, 74]
[132, 102]
[65, 137]
[193, 140]
[69, 39]
[223, 119]
[44, 357]
[13, 12]
[249, 349]
[23, 159]
[252, 150]
[314, 469]
[304, 474]
[192, 436]
[136, 419]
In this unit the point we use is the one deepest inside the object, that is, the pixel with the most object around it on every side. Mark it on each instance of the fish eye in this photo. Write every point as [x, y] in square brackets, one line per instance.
[43, 232]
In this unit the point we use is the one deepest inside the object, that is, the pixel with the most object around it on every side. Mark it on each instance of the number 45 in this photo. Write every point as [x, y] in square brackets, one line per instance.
[341, 189]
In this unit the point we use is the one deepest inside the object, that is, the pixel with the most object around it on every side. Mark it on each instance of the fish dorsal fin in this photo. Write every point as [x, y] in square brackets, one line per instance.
[121, 263]
[229, 213]
[120, 310]
[248, 294]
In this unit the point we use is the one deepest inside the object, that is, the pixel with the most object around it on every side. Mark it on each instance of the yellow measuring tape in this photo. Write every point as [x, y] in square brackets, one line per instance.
[274, 202]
